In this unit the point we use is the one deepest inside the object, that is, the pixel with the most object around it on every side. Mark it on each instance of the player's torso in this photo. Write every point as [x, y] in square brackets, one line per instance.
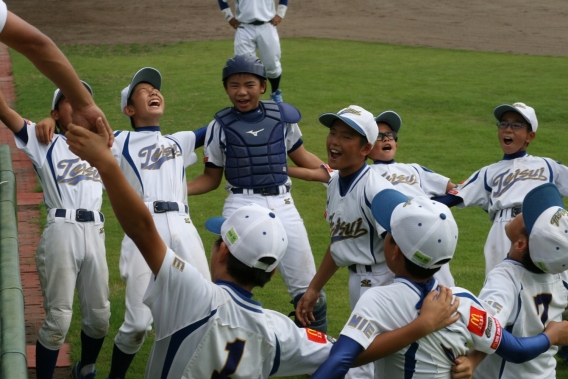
[404, 177]
[250, 10]
[153, 164]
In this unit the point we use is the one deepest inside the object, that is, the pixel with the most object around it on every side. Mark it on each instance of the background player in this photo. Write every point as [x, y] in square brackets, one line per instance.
[422, 236]
[248, 132]
[501, 187]
[71, 252]
[256, 22]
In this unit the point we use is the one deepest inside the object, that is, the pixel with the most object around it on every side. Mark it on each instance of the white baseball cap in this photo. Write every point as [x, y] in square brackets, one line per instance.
[146, 75]
[57, 95]
[546, 221]
[391, 118]
[252, 232]
[527, 112]
[356, 117]
[424, 229]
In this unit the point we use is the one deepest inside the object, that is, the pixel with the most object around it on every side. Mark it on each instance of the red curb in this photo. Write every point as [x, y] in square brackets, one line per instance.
[28, 230]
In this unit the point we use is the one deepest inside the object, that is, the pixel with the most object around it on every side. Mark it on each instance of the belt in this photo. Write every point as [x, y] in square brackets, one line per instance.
[266, 191]
[353, 268]
[161, 206]
[514, 211]
[257, 23]
[81, 215]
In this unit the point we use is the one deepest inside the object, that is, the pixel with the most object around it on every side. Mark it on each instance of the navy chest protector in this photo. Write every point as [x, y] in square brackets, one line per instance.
[255, 150]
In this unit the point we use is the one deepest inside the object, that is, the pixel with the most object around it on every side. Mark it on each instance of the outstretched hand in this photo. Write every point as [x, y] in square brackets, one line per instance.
[438, 311]
[305, 307]
[88, 118]
[89, 146]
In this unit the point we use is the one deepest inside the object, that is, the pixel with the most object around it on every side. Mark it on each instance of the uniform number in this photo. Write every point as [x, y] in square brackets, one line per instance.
[236, 350]
[544, 300]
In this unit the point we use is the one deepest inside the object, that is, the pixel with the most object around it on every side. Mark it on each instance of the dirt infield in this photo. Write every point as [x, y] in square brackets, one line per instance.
[517, 26]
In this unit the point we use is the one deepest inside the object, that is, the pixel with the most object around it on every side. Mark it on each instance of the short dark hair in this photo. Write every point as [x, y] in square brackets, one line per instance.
[260, 78]
[363, 140]
[417, 271]
[244, 274]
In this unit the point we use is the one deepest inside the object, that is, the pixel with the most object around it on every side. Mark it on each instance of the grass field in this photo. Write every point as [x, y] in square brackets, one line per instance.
[445, 98]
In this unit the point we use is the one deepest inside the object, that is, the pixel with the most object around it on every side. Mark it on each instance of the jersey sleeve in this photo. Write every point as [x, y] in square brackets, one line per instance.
[293, 137]
[433, 184]
[212, 149]
[375, 184]
[302, 350]
[186, 142]
[561, 176]
[36, 151]
[474, 191]
[3, 15]
[500, 293]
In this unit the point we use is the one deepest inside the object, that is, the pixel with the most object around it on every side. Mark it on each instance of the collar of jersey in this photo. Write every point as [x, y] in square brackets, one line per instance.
[346, 181]
[243, 293]
[250, 115]
[384, 162]
[147, 129]
[518, 154]
[422, 289]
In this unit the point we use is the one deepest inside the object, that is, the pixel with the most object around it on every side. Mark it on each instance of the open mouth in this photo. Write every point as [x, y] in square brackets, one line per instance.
[387, 148]
[334, 154]
[154, 103]
[507, 140]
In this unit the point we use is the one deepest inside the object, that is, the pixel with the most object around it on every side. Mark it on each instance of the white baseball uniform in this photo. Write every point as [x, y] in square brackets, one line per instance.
[155, 167]
[228, 335]
[387, 308]
[500, 189]
[414, 180]
[71, 252]
[3, 14]
[525, 303]
[297, 267]
[256, 31]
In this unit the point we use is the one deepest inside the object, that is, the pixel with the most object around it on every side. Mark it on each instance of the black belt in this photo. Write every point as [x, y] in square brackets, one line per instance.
[266, 191]
[161, 206]
[514, 211]
[81, 215]
[257, 23]
[353, 268]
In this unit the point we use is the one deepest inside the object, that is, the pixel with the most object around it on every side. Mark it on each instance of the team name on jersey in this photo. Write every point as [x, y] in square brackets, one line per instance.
[157, 156]
[401, 179]
[74, 173]
[341, 230]
[361, 323]
[505, 180]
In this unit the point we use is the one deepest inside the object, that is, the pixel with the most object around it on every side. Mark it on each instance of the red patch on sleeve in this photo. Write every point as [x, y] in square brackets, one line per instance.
[453, 192]
[498, 335]
[315, 336]
[206, 159]
[477, 321]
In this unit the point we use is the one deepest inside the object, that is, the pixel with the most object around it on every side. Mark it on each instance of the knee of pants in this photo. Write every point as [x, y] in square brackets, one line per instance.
[96, 324]
[130, 342]
[274, 72]
[54, 329]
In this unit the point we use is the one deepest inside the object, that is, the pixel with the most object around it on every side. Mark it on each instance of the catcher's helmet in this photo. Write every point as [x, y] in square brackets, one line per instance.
[244, 64]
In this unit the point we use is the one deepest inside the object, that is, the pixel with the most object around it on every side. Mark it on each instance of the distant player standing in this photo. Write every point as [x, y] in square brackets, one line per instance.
[256, 22]
[71, 252]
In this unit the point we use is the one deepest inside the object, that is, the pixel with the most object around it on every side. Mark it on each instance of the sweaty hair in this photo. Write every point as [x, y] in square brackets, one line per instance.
[417, 271]
[244, 274]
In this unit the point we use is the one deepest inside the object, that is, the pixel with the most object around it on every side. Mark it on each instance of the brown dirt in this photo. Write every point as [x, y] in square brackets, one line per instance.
[517, 26]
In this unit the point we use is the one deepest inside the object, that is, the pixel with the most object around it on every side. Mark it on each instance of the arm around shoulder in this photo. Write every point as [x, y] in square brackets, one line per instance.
[303, 158]
[206, 182]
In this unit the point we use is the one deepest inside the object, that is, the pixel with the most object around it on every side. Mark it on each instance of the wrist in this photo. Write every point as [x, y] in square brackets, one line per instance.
[551, 341]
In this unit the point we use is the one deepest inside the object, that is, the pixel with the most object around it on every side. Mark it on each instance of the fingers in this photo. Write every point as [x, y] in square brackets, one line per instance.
[108, 129]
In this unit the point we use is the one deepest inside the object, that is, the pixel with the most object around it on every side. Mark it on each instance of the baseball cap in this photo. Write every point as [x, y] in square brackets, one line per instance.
[145, 74]
[391, 118]
[356, 117]
[546, 221]
[527, 112]
[57, 95]
[252, 232]
[424, 230]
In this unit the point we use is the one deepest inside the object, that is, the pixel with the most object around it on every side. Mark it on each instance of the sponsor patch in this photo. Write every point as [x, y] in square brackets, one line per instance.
[205, 159]
[232, 236]
[315, 336]
[498, 334]
[477, 321]
[178, 264]
[495, 305]
[489, 327]
[421, 258]
[453, 192]
[366, 283]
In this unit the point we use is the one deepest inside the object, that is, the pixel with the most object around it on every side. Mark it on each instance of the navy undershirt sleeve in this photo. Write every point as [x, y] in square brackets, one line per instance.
[449, 200]
[522, 349]
[23, 133]
[200, 136]
[341, 357]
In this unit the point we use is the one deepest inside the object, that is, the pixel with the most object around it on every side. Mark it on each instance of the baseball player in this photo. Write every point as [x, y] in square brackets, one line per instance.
[154, 165]
[255, 23]
[49, 60]
[71, 252]
[422, 236]
[249, 143]
[501, 187]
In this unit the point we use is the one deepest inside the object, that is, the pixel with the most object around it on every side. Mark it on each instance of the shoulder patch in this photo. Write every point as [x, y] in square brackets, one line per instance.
[178, 264]
[315, 336]
[477, 321]
[289, 113]
[498, 334]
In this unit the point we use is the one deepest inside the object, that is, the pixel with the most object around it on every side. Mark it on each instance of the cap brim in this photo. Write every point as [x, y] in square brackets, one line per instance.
[59, 94]
[146, 75]
[214, 224]
[384, 204]
[504, 108]
[391, 118]
[327, 119]
[537, 201]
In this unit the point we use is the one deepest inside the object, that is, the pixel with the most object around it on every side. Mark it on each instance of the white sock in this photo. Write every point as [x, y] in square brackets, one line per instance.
[88, 369]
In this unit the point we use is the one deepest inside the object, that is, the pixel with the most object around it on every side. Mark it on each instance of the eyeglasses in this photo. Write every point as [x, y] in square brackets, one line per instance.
[388, 135]
[514, 125]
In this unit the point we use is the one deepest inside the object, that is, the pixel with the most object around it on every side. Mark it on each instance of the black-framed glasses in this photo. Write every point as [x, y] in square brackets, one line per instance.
[388, 135]
[514, 125]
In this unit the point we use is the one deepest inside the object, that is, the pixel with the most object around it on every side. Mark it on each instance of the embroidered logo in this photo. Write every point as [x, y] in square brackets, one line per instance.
[401, 179]
[498, 334]
[505, 180]
[477, 321]
[315, 336]
[178, 264]
[255, 133]
[366, 283]
[155, 156]
[232, 236]
[75, 171]
[341, 230]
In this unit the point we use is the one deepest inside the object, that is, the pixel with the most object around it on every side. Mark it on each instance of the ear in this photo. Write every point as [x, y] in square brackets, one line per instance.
[365, 150]
[530, 137]
[223, 253]
[273, 272]
[129, 110]
[263, 87]
[54, 115]
[521, 244]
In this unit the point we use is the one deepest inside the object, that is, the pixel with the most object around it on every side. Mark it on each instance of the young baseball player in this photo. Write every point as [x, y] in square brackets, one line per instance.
[249, 143]
[422, 236]
[255, 23]
[71, 252]
[501, 187]
[228, 334]
[528, 290]
[49, 60]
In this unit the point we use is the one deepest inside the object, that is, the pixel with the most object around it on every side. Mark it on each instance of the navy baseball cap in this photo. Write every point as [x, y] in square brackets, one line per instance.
[144, 75]
[57, 95]
[391, 118]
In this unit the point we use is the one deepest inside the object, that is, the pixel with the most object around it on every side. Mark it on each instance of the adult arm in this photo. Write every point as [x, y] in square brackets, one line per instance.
[208, 181]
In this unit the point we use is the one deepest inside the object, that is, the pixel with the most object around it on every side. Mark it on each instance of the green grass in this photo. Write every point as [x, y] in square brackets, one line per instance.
[445, 98]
